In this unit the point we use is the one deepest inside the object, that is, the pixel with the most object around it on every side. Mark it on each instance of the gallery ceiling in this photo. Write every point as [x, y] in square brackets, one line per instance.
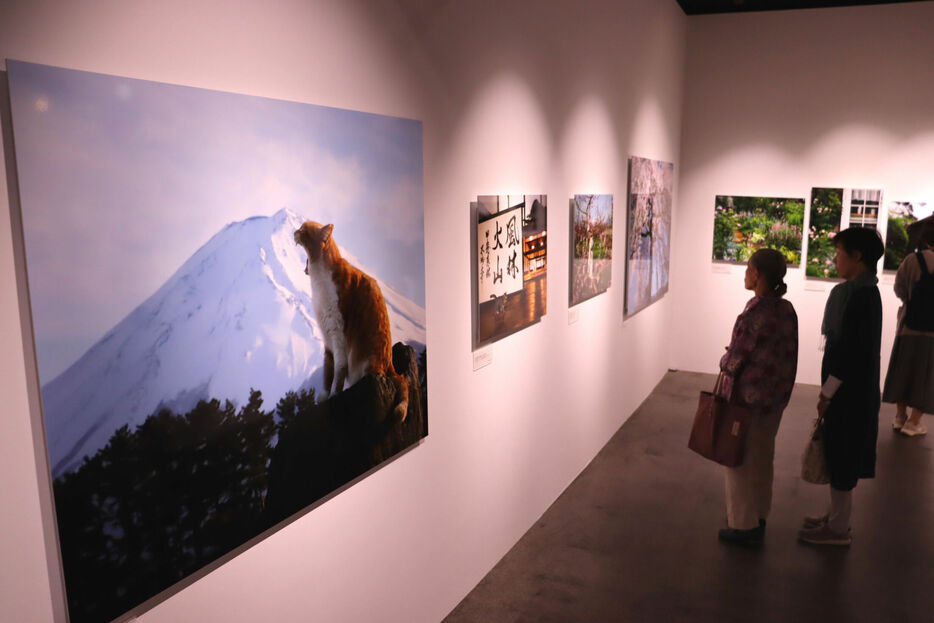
[697, 7]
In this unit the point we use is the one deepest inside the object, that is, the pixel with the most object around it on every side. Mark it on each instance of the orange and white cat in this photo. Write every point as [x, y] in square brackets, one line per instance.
[351, 313]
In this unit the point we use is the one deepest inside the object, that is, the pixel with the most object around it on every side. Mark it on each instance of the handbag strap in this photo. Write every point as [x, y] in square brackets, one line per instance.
[718, 386]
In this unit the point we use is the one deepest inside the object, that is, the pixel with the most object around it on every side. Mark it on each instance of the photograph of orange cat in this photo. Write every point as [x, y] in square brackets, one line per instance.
[352, 315]
[199, 337]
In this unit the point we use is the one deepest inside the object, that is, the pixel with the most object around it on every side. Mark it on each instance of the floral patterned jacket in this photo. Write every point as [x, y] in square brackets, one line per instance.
[761, 362]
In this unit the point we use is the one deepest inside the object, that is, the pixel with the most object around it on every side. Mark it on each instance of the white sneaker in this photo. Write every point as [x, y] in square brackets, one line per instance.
[914, 430]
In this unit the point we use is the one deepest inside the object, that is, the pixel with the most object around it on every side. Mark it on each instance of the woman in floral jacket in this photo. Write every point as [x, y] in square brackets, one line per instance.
[759, 370]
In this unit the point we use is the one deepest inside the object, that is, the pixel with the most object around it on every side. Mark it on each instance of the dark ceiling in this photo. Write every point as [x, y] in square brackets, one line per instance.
[697, 7]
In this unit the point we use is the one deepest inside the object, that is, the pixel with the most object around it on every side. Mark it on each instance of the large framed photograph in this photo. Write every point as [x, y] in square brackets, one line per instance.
[833, 210]
[648, 239]
[228, 303]
[591, 228]
[510, 264]
[742, 225]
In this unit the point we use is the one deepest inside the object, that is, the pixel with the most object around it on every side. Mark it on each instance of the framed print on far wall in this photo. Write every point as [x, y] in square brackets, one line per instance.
[591, 246]
[648, 232]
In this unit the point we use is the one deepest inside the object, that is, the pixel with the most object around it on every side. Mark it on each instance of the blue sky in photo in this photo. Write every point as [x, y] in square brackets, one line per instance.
[122, 180]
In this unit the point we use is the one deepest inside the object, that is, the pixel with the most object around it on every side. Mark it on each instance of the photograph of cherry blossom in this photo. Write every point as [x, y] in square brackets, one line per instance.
[648, 237]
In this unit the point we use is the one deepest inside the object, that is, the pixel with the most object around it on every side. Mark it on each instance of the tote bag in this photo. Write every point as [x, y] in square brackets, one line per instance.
[720, 427]
[814, 461]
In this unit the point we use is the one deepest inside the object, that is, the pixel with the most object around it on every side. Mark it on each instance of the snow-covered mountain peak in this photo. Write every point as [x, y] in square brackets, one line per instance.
[236, 315]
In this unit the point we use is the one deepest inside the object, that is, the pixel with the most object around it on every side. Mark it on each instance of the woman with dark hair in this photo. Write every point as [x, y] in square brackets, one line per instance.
[910, 379]
[758, 371]
[849, 400]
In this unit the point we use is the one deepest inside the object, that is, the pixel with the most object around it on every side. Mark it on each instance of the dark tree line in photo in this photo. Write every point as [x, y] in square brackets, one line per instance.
[181, 490]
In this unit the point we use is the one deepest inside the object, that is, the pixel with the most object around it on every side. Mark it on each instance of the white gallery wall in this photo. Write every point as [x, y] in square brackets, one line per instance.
[517, 97]
[775, 104]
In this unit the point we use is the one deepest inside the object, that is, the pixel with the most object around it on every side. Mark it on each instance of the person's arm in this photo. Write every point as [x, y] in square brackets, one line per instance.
[854, 349]
[741, 346]
[787, 354]
[827, 391]
[837, 363]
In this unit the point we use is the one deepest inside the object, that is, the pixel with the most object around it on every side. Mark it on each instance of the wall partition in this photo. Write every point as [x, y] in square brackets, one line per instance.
[522, 98]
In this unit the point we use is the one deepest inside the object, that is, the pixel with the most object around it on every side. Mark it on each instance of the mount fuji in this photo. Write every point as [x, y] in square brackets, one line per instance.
[237, 315]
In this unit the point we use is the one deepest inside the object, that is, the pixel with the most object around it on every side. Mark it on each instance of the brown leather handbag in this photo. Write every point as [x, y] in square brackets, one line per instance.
[720, 427]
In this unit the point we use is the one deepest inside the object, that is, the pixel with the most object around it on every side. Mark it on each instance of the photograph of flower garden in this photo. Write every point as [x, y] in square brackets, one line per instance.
[743, 225]
[826, 216]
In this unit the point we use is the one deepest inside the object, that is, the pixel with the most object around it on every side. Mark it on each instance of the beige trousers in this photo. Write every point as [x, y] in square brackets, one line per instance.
[749, 486]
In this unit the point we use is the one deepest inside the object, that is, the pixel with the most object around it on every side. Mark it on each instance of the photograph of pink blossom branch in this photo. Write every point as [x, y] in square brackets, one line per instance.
[648, 238]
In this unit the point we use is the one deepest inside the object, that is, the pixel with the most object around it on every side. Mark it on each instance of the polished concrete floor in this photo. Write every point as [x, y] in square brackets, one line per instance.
[634, 537]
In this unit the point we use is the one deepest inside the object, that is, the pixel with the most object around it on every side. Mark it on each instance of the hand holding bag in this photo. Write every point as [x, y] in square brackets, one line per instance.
[814, 461]
[720, 427]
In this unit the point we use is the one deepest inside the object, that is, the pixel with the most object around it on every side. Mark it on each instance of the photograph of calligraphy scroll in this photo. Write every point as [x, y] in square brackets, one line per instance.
[591, 246]
[510, 271]
[648, 238]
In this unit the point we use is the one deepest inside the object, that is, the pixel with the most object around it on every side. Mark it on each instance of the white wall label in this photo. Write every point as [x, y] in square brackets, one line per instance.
[722, 269]
[573, 315]
[482, 358]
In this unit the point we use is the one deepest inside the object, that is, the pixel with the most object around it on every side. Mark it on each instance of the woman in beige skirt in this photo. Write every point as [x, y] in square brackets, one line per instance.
[910, 379]
[759, 372]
